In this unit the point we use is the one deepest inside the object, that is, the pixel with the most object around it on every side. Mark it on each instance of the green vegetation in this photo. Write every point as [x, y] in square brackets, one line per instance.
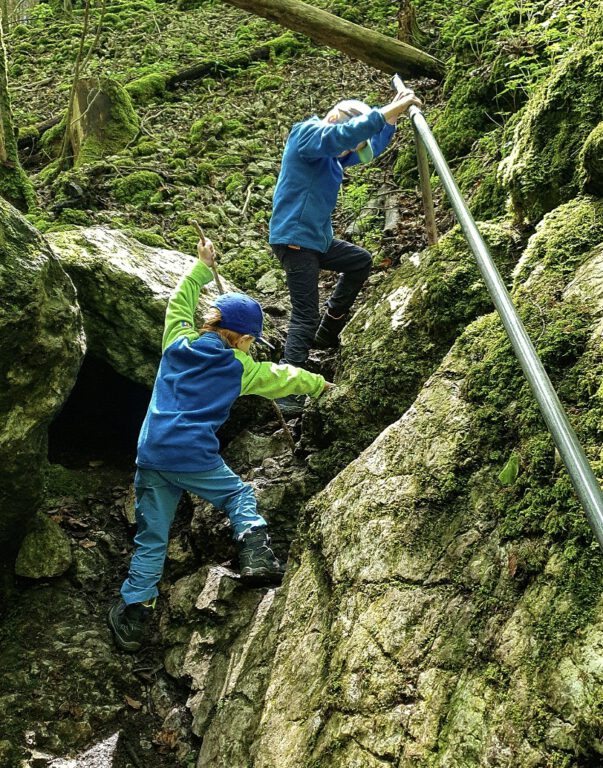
[541, 171]
[540, 501]
[137, 188]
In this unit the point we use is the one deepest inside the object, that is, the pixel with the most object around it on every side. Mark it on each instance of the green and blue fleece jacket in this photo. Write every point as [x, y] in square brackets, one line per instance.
[199, 378]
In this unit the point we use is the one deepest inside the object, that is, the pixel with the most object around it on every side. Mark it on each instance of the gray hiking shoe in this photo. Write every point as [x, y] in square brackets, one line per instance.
[128, 624]
[258, 563]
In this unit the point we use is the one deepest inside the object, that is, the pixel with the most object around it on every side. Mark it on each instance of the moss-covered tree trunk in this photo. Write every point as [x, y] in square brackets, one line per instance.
[14, 184]
[378, 50]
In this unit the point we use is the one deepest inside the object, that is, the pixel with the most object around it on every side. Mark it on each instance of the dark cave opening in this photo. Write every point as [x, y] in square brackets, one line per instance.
[100, 420]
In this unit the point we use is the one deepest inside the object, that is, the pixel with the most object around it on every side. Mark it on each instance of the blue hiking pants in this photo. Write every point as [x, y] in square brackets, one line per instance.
[302, 267]
[157, 496]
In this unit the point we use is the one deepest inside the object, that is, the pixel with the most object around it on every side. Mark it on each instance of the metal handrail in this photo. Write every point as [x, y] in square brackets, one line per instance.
[581, 474]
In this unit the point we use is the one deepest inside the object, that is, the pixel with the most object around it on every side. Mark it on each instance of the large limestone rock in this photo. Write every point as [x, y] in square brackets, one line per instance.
[45, 552]
[433, 616]
[41, 346]
[123, 287]
[541, 171]
[398, 338]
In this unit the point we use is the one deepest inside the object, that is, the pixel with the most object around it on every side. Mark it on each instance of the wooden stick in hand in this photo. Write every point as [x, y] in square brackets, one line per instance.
[213, 268]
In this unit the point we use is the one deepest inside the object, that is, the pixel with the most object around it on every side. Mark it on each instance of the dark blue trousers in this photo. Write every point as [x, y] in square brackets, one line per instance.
[302, 268]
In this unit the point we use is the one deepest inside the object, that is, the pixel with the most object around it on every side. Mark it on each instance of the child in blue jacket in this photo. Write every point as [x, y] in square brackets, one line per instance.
[200, 375]
[301, 233]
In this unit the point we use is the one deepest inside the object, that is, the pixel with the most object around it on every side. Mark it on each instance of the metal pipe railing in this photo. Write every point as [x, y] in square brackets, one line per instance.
[581, 474]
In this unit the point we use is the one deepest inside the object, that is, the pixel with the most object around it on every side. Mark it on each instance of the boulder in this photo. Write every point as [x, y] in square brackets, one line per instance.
[398, 338]
[123, 288]
[541, 171]
[41, 347]
[45, 551]
[432, 614]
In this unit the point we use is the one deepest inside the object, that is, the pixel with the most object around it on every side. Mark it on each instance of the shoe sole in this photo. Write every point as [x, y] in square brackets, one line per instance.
[261, 577]
[124, 645]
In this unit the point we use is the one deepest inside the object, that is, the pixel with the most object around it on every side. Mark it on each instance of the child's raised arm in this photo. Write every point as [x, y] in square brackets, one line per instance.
[180, 314]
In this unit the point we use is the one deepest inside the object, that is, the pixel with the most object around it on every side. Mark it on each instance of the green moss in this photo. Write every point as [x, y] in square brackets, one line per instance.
[137, 188]
[591, 161]
[268, 83]
[564, 238]
[246, 267]
[145, 148]
[541, 172]
[28, 132]
[235, 182]
[16, 187]
[147, 88]
[186, 237]
[478, 177]
[213, 126]
[148, 238]
[72, 216]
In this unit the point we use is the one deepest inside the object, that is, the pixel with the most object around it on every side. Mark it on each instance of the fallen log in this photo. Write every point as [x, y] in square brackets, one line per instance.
[206, 68]
[382, 52]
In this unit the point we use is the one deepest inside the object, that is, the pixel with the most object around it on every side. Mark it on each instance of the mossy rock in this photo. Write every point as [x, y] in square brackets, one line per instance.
[213, 126]
[591, 159]
[76, 217]
[104, 120]
[45, 552]
[52, 139]
[268, 83]
[234, 183]
[245, 266]
[541, 172]
[394, 342]
[39, 302]
[147, 88]
[148, 238]
[137, 188]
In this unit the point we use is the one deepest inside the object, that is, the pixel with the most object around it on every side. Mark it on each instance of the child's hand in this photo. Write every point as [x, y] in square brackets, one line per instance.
[206, 253]
[402, 101]
[328, 385]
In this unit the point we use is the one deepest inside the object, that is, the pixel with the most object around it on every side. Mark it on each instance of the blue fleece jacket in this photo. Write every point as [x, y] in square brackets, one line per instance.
[311, 174]
[199, 378]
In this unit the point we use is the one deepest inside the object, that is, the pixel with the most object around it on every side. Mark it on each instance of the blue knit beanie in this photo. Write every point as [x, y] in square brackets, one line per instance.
[242, 314]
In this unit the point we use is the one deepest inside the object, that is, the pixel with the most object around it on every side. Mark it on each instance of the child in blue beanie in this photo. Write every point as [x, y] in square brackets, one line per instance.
[200, 375]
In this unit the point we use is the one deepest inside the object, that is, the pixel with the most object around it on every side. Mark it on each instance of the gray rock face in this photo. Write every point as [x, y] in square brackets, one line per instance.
[432, 616]
[41, 346]
[45, 552]
[123, 288]
[397, 339]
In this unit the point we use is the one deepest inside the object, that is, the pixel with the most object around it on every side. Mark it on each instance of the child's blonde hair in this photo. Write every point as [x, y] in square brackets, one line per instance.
[211, 323]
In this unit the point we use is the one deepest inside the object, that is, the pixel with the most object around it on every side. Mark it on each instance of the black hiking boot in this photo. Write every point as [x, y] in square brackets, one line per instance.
[291, 406]
[129, 623]
[330, 327]
[258, 563]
